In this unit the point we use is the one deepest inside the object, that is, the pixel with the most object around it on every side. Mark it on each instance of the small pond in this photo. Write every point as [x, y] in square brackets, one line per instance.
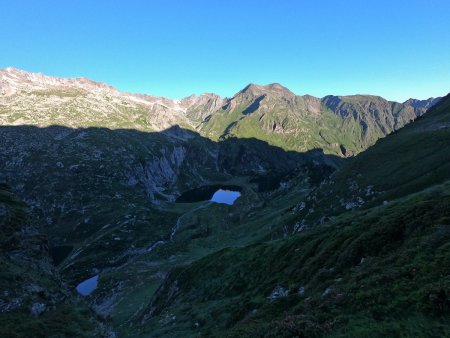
[207, 193]
[88, 286]
[225, 196]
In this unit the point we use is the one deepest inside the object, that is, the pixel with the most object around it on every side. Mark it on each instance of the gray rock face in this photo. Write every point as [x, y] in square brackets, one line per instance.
[37, 309]
[422, 103]
[278, 292]
[13, 80]
[198, 108]
[160, 174]
[327, 292]
[13, 304]
[376, 115]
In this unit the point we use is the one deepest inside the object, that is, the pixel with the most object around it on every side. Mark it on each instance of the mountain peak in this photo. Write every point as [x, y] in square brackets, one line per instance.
[276, 86]
[272, 88]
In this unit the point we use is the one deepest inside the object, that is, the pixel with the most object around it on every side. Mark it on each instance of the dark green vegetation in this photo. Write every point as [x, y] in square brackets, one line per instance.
[382, 270]
[35, 301]
[378, 272]
[317, 245]
[105, 199]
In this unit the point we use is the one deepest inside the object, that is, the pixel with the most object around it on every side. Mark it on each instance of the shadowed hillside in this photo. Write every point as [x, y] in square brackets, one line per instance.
[105, 199]
[35, 301]
[373, 268]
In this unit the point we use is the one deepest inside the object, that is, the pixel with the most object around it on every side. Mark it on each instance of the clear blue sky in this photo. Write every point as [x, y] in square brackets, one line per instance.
[393, 48]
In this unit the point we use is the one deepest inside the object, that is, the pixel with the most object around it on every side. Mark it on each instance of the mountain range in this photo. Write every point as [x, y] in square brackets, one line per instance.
[341, 227]
[341, 125]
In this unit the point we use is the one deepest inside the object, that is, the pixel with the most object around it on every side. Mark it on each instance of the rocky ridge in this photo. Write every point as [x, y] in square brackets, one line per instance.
[340, 125]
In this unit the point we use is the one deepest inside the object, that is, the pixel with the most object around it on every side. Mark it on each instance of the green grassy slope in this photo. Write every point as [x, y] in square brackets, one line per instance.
[415, 157]
[380, 270]
[340, 125]
[204, 229]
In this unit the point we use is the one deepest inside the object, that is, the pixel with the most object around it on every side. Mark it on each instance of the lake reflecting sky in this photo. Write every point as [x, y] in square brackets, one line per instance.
[225, 196]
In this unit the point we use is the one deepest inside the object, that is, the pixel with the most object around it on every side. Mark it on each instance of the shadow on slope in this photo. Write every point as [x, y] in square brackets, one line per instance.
[96, 185]
[378, 271]
[34, 300]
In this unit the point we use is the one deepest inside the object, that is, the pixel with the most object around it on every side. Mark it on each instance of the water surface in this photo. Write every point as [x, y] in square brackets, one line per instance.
[88, 286]
[225, 196]
[204, 193]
